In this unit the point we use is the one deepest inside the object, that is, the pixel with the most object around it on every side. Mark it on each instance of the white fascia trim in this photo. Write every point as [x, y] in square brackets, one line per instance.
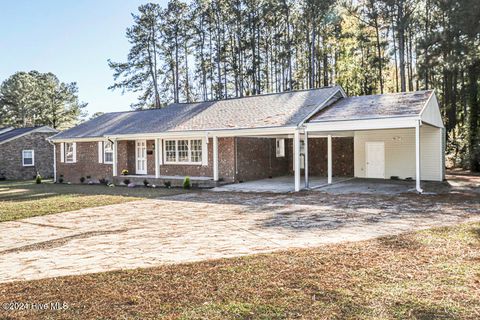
[205, 133]
[322, 105]
[44, 129]
[426, 103]
[77, 140]
[367, 124]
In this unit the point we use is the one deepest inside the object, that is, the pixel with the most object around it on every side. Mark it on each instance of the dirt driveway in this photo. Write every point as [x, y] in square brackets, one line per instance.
[210, 225]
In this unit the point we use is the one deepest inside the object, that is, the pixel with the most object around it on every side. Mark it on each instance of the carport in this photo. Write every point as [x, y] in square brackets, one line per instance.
[396, 136]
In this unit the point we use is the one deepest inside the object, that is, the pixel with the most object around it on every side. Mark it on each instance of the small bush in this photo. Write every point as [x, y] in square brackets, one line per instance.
[82, 179]
[38, 179]
[146, 183]
[186, 183]
[89, 177]
[124, 172]
[103, 181]
[126, 182]
[167, 184]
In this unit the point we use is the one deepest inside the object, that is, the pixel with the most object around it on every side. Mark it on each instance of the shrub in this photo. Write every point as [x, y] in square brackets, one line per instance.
[126, 182]
[186, 183]
[146, 183]
[167, 184]
[82, 179]
[103, 181]
[124, 172]
[89, 177]
[38, 179]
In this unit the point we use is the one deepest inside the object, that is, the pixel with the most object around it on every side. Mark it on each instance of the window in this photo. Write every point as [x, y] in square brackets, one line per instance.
[183, 151]
[280, 148]
[69, 152]
[28, 158]
[108, 152]
[170, 151]
[196, 150]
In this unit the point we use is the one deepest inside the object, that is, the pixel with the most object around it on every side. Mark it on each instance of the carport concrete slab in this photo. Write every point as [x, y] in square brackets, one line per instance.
[383, 187]
[276, 185]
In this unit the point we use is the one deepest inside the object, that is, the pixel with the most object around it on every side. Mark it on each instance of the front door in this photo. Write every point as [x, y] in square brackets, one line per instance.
[141, 156]
[375, 158]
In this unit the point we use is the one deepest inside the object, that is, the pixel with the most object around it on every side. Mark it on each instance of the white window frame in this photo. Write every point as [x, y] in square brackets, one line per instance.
[105, 152]
[73, 152]
[33, 158]
[189, 161]
[280, 148]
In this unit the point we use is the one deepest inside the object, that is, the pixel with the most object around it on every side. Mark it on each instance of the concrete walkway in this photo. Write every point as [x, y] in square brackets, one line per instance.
[276, 185]
[208, 225]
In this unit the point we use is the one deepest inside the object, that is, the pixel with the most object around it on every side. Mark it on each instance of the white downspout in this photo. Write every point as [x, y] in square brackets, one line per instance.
[54, 160]
[417, 157]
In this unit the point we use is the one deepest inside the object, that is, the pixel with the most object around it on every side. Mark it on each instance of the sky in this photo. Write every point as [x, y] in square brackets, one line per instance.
[72, 39]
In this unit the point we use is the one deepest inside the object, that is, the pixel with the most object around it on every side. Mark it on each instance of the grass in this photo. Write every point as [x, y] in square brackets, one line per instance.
[23, 199]
[432, 274]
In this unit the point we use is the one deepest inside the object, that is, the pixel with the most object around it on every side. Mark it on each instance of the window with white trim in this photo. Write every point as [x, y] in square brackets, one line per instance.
[170, 151]
[69, 152]
[108, 152]
[28, 158]
[183, 151]
[280, 143]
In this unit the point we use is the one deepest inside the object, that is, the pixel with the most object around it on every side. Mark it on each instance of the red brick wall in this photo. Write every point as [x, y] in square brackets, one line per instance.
[257, 159]
[342, 155]
[86, 165]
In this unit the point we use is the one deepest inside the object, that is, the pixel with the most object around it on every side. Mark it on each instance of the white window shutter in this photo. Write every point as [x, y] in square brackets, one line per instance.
[100, 151]
[74, 152]
[62, 152]
[205, 152]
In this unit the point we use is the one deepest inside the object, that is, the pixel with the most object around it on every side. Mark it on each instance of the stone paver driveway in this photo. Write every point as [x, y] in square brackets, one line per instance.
[209, 225]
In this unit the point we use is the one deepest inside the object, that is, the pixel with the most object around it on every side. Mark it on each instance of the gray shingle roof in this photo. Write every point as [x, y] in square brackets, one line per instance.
[14, 133]
[270, 110]
[375, 106]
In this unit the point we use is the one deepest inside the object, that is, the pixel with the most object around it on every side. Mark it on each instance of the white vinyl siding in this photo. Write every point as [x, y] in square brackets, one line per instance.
[28, 158]
[400, 152]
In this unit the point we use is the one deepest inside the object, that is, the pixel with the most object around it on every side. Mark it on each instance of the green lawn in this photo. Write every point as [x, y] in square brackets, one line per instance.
[23, 199]
[432, 274]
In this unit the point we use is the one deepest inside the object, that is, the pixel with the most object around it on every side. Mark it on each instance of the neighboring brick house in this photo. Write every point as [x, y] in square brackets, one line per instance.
[24, 152]
[319, 132]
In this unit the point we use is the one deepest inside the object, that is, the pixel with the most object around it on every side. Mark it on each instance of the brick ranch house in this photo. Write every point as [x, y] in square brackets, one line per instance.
[24, 152]
[319, 132]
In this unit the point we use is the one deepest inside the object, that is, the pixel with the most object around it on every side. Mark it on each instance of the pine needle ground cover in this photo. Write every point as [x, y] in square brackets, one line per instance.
[431, 274]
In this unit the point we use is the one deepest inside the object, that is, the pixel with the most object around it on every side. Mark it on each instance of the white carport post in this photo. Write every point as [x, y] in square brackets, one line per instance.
[157, 158]
[296, 159]
[215, 158]
[417, 157]
[329, 156]
[305, 156]
[115, 158]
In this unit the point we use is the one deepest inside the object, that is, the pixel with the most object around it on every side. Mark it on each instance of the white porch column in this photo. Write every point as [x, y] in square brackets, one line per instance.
[296, 159]
[329, 155]
[307, 182]
[215, 158]
[417, 157]
[115, 158]
[54, 162]
[157, 162]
